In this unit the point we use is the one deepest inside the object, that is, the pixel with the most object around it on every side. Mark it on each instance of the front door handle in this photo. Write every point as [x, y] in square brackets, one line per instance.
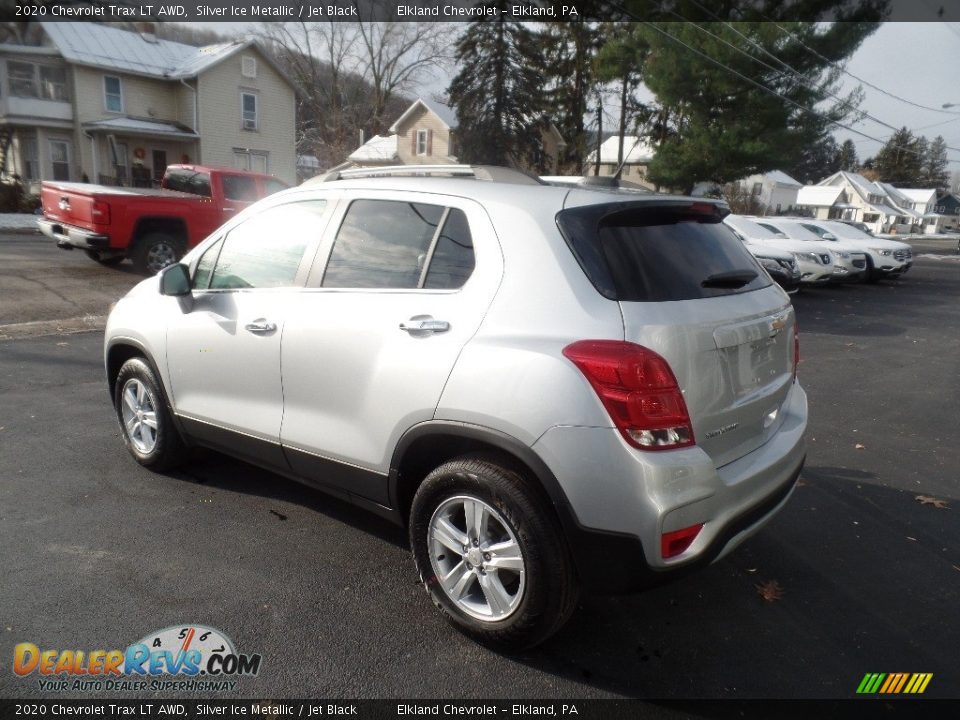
[424, 325]
[260, 327]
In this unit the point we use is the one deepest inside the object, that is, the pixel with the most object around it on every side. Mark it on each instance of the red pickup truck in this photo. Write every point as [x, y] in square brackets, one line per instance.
[152, 227]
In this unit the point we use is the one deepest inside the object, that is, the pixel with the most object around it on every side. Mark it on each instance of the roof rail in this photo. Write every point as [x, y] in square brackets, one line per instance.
[487, 173]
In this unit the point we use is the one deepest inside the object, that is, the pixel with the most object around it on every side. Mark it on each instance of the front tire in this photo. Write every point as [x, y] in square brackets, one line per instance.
[490, 552]
[145, 422]
[156, 251]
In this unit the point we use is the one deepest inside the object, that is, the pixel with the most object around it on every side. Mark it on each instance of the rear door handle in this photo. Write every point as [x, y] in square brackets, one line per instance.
[424, 325]
[260, 327]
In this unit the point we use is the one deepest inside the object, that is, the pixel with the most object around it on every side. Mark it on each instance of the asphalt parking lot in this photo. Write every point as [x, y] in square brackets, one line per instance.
[861, 571]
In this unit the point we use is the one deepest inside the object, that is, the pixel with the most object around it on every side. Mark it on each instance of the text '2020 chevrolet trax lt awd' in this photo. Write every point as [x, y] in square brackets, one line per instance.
[555, 389]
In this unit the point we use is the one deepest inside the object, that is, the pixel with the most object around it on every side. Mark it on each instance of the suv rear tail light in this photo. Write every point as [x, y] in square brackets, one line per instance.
[638, 390]
[674, 543]
[100, 212]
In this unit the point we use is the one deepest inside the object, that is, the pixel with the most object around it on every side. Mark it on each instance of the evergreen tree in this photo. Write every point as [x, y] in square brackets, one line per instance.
[847, 159]
[818, 159]
[900, 161]
[568, 49]
[722, 127]
[498, 92]
[934, 173]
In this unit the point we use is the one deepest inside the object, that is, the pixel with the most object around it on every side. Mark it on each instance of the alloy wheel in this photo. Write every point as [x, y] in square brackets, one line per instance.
[139, 416]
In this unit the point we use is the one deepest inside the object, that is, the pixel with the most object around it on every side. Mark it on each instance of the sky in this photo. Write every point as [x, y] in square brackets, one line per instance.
[919, 61]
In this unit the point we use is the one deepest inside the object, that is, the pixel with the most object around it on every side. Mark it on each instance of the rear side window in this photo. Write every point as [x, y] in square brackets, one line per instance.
[651, 253]
[265, 251]
[188, 181]
[272, 186]
[400, 245]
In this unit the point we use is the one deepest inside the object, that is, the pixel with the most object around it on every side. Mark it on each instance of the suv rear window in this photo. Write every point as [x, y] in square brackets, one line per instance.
[655, 253]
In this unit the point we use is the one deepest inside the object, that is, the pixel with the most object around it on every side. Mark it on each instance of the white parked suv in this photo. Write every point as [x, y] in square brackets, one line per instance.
[885, 258]
[849, 263]
[554, 389]
[815, 262]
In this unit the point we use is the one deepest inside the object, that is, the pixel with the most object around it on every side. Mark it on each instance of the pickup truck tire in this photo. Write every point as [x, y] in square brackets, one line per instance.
[155, 251]
[505, 578]
[108, 260]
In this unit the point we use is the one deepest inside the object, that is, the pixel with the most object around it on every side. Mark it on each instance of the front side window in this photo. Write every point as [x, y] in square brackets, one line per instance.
[201, 276]
[112, 94]
[266, 250]
[399, 245]
[421, 142]
[239, 187]
[248, 103]
[22, 79]
[188, 181]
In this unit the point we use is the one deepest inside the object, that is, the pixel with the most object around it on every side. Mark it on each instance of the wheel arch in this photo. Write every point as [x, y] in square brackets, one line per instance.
[174, 226]
[118, 352]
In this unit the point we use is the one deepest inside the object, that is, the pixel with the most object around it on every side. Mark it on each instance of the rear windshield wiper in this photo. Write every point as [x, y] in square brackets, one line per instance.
[730, 279]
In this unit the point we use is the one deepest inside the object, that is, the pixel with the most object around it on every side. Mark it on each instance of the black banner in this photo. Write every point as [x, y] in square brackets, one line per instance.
[450, 10]
[375, 709]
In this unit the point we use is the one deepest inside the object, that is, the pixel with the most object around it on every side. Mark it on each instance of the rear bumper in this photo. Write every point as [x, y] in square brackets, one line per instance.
[69, 237]
[626, 501]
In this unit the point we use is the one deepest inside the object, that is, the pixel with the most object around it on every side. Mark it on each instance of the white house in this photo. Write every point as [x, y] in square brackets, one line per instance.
[775, 191]
[115, 106]
[637, 155]
[864, 201]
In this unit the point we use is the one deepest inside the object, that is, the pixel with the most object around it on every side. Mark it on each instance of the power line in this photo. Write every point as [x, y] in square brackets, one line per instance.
[770, 91]
[857, 77]
[807, 81]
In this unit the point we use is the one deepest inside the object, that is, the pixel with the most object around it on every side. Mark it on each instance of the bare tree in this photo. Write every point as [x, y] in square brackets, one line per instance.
[396, 57]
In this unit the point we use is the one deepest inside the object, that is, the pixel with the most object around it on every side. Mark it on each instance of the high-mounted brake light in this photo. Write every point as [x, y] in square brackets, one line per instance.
[638, 390]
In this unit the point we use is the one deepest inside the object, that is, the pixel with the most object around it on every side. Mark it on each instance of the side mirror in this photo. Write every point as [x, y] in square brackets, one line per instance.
[829, 236]
[175, 280]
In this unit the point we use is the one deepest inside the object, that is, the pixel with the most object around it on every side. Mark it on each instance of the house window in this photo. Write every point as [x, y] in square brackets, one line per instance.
[22, 79]
[248, 66]
[53, 83]
[248, 105]
[757, 188]
[60, 159]
[31, 166]
[421, 142]
[112, 94]
[253, 160]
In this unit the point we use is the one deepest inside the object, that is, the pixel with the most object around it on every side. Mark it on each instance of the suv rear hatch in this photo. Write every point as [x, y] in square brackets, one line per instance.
[691, 292]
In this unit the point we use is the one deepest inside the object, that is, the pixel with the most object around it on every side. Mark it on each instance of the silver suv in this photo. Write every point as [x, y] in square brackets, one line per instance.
[553, 388]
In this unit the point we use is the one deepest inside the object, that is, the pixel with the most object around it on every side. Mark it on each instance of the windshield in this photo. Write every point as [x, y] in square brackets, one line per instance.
[752, 229]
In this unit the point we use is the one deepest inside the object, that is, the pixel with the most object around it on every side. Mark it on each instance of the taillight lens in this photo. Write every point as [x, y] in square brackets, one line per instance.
[100, 212]
[796, 348]
[638, 390]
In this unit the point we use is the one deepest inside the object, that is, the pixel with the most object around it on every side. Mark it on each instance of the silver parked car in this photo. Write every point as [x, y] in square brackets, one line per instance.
[554, 389]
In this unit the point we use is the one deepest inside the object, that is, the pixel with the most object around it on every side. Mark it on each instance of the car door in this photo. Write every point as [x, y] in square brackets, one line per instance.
[400, 288]
[223, 350]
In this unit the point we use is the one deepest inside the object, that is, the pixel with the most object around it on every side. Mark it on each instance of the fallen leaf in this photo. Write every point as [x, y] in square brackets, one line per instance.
[858, 446]
[936, 502]
[770, 590]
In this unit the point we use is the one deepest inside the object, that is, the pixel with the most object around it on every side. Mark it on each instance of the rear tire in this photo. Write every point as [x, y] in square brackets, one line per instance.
[145, 421]
[107, 260]
[155, 251]
[511, 583]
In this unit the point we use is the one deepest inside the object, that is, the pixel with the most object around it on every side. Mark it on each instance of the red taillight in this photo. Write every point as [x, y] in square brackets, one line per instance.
[674, 543]
[796, 348]
[638, 389]
[100, 212]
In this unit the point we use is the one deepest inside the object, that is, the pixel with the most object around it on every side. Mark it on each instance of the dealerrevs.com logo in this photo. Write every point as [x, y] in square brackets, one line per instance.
[177, 658]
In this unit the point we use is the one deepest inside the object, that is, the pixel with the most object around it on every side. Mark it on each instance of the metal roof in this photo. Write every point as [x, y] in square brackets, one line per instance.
[819, 195]
[779, 176]
[136, 126]
[114, 49]
[447, 115]
[381, 148]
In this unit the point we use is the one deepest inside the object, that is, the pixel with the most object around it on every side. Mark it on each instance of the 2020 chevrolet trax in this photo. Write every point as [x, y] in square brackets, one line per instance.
[554, 389]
